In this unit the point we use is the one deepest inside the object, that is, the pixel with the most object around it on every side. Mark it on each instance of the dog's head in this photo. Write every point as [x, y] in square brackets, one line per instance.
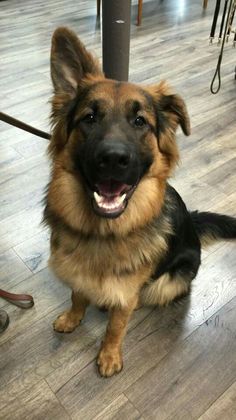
[112, 136]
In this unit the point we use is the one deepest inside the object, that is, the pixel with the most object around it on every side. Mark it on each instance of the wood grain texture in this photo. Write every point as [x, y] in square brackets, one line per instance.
[224, 407]
[86, 394]
[120, 408]
[190, 378]
[179, 362]
[39, 404]
[12, 270]
[34, 252]
[94, 324]
[48, 294]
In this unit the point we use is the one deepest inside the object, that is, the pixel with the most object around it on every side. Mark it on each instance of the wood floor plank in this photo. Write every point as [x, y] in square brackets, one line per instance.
[214, 286]
[208, 157]
[36, 403]
[194, 193]
[224, 176]
[227, 206]
[87, 394]
[33, 351]
[34, 252]
[224, 407]
[12, 269]
[48, 294]
[27, 358]
[13, 170]
[9, 156]
[95, 322]
[24, 192]
[120, 408]
[22, 225]
[32, 146]
[191, 377]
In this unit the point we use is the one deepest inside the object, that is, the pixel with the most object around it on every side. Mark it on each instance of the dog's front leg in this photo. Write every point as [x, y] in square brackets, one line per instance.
[70, 319]
[110, 356]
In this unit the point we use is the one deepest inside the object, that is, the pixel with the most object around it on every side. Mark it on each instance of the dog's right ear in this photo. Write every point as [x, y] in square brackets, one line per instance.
[70, 62]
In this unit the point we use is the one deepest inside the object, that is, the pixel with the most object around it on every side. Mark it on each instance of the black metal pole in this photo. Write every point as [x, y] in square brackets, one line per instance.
[116, 38]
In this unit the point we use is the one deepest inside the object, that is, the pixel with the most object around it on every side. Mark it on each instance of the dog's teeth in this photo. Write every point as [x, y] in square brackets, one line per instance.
[108, 205]
[120, 200]
[97, 197]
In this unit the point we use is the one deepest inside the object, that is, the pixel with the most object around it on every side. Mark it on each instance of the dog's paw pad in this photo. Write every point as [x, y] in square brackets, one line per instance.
[66, 322]
[109, 362]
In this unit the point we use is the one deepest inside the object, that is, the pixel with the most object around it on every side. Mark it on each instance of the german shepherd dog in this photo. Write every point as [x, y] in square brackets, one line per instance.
[121, 236]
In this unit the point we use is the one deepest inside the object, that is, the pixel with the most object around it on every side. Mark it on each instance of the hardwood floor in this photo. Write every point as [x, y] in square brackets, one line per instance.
[179, 362]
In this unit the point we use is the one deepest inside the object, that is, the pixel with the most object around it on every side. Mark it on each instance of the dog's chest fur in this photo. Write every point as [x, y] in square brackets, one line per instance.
[108, 270]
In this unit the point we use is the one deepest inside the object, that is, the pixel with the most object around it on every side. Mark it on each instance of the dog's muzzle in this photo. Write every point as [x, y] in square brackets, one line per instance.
[113, 177]
[113, 159]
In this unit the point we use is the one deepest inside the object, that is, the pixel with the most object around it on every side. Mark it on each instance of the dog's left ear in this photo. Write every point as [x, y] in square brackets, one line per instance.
[172, 107]
[170, 112]
[70, 62]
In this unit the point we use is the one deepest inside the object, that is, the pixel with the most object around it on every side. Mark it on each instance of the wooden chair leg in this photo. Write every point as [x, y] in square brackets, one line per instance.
[205, 4]
[140, 8]
[98, 7]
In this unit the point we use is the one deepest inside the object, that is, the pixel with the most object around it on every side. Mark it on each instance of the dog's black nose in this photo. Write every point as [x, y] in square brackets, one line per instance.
[112, 157]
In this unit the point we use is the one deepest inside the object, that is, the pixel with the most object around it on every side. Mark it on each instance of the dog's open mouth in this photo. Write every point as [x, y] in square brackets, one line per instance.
[111, 198]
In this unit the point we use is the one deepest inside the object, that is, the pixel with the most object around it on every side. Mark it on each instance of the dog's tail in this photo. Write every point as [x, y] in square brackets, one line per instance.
[211, 227]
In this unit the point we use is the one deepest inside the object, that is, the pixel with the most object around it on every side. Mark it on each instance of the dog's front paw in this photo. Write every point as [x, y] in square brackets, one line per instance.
[109, 362]
[66, 322]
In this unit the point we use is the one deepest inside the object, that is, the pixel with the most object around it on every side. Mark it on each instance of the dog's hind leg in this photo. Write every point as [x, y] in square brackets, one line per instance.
[174, 282]
[70, 319]
[165, 289]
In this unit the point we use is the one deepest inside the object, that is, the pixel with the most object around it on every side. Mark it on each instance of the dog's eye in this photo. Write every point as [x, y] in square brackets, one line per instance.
[140, 121]
[89, 118]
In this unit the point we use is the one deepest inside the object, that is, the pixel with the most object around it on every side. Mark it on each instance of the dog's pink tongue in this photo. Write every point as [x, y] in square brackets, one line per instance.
[111, 188]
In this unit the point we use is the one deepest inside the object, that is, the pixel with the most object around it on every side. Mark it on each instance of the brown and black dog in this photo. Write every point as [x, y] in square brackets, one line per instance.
[121, 236]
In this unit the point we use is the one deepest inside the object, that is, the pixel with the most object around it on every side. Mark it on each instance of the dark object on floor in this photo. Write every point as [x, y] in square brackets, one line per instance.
[21, 300]
[4, 321]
